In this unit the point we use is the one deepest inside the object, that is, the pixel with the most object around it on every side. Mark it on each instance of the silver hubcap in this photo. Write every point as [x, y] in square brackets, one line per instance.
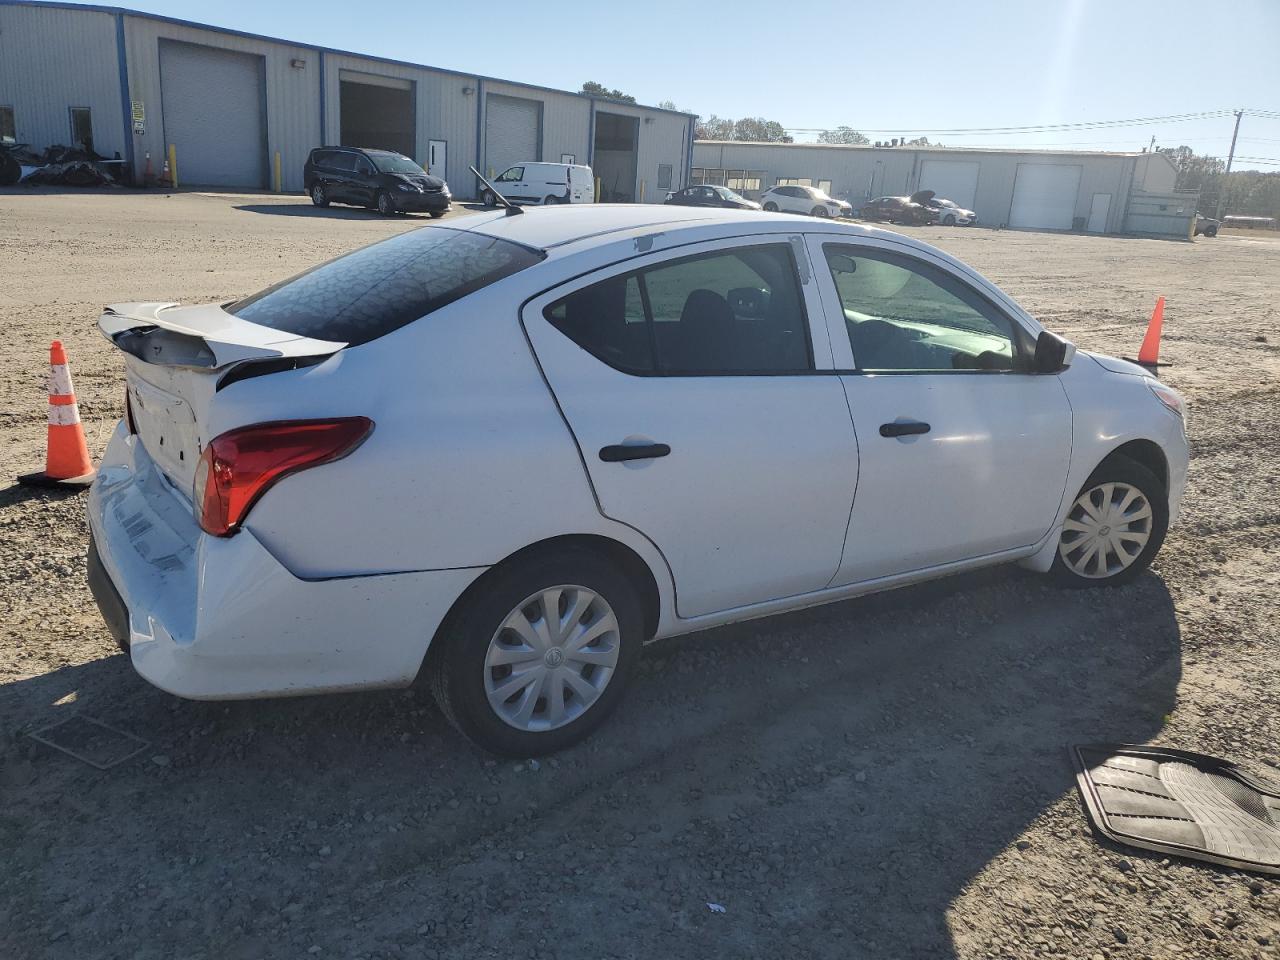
[552, 658]
[1106, 531]
[317, 192]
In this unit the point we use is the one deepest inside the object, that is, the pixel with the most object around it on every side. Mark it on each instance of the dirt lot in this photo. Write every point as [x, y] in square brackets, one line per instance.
[883, 778]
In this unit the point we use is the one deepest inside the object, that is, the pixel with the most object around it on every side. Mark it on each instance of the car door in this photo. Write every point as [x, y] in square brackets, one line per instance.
[964, 452]
[510, 183]
[688, 380]
[363, 185]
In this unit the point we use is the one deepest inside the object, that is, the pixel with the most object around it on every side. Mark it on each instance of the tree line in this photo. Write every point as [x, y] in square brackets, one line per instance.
[1245, 193]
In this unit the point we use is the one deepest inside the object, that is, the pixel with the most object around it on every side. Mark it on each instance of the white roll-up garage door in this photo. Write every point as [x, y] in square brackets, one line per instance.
[955, 180]
[512, 131]
[1044, 196]
[212, 102]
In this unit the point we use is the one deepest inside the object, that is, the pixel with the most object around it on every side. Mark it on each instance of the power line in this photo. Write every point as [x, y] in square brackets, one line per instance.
[1032, 128]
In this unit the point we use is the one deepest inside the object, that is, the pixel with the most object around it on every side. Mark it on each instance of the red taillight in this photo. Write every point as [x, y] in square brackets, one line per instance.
[239, 466]
[128, 412]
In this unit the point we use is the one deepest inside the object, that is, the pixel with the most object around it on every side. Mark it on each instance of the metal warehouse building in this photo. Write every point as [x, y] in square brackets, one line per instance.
[1095, 192]
[230, 101]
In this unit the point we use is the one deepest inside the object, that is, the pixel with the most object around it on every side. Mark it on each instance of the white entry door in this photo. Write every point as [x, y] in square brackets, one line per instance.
[1098, 211]
[437, 159]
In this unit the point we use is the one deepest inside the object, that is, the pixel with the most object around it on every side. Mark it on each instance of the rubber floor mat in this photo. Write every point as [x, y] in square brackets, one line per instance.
[1181, 803]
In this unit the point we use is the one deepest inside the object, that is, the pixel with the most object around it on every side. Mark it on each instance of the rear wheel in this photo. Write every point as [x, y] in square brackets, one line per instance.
[436, 214]
[386, 206]
[771, 207]
[539, 653]
[318, 196]
[489, 198]
[549, 200]
[819, 211]
[1114, 528]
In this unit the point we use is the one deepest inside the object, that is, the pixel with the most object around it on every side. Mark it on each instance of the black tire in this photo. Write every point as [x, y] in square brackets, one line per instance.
[489, 198]
[1211, 232]
[1120, 469]
[437, 214]
[318, 196]
[550, 201]
[820, 211]
[386, 206]
[948, 221]
[771, 207]
[456, 663]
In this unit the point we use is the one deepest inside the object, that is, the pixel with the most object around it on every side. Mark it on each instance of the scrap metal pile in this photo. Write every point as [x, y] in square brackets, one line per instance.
[56, 166]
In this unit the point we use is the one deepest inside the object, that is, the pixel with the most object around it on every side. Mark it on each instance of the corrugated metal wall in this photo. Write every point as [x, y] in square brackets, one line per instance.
[857, 173]
[55, 58]
[52, 60]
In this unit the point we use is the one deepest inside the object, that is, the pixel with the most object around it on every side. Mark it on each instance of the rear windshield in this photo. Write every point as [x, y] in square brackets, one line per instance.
[367, 294]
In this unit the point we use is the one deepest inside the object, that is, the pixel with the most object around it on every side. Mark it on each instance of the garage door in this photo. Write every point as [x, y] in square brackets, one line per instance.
[512, 131]
[212, 102]
[951, 179]
[1044, 196]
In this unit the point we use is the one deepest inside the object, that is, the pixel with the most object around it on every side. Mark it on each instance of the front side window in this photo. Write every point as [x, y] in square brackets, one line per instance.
[511, 175]
[367, 294]
[904, 315]
[735, 311]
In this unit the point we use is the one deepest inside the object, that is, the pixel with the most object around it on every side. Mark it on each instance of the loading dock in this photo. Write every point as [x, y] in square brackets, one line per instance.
[615, 156]
[221, 141]
[377, 111]
[1044, 196]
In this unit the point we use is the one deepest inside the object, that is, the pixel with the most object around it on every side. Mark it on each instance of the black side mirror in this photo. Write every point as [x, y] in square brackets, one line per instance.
[1053, 354]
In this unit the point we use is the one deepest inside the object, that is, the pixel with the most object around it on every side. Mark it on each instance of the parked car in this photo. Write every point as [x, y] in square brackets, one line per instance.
[950, 214]
[710, 195]
[896, 210]
[546, 183]
[1207, 226]
[504, 457]
[794, 198]
[383, 179]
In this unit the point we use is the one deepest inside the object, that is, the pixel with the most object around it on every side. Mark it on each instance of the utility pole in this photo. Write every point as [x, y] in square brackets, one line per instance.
[1222, 190]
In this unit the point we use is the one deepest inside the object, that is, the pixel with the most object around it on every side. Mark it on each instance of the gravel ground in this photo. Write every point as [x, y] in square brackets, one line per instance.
[883, 778]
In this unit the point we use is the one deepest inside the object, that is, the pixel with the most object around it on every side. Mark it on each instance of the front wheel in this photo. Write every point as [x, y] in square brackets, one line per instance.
[318, 196]
[1114, 528]
[820, 211]
[386, 206]
[489, 198]
[771, 207]
[538, 653]
[948, 221]
[436, 214]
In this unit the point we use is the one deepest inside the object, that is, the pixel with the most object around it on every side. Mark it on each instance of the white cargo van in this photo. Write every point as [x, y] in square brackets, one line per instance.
[537, 182]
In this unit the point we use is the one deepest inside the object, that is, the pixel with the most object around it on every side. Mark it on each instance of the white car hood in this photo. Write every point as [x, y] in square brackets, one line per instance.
[1116, 365]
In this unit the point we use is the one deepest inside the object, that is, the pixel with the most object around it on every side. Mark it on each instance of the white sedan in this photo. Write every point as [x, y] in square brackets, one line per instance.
[504, 453]
[796, 198]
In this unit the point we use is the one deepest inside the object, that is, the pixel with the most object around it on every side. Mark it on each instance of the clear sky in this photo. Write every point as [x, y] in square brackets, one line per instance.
[880, 66]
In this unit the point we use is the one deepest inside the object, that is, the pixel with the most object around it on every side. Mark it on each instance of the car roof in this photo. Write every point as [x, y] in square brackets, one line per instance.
[572, 224]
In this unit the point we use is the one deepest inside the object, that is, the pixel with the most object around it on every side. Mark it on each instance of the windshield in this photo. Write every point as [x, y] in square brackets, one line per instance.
[727, 193]
[395, 163]
[367, 294]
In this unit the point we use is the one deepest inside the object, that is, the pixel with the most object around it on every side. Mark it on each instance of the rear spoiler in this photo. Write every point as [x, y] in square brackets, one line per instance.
[203, 336]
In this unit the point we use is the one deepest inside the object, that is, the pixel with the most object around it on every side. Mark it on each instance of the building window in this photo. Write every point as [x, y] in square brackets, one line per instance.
[825, 186]
[795, 182]
[664, 176]
[696, 174]
[81, 128]
[8, 132]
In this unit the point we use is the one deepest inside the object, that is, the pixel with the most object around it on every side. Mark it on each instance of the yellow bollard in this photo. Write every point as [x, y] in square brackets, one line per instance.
[597, 189]
[642, 191]
[277, 173]
[173, 166]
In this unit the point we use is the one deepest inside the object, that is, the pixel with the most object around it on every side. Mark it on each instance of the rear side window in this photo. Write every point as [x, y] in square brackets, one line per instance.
[729, 312]
[367, 294]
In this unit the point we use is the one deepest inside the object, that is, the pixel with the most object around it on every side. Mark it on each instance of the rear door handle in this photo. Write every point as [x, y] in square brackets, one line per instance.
[903, 428]
[633, 451]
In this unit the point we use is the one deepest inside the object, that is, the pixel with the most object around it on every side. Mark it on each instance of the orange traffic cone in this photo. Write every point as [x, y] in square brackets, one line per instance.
[67, 462]
[1149, 354]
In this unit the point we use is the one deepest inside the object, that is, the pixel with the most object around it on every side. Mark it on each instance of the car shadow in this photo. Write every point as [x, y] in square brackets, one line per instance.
[308, 209]
[837, 777]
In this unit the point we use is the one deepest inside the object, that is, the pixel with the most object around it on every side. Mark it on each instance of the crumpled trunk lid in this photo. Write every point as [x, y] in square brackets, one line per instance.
[174, 358]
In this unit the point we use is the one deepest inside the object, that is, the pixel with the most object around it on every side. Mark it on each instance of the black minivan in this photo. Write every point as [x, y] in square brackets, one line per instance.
[383, 179]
